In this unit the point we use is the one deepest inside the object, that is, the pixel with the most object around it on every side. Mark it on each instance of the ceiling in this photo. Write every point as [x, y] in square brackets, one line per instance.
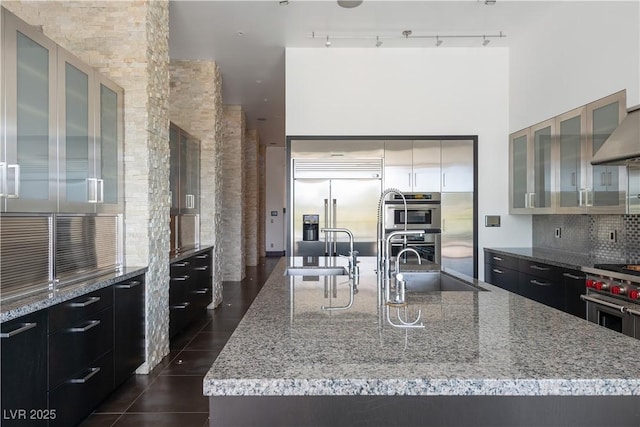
[247, 39]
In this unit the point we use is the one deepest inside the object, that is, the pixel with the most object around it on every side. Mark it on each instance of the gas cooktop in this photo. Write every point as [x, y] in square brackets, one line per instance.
[633, 269]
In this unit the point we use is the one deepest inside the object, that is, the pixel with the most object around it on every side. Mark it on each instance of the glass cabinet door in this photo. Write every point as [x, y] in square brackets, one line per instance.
[572, 191]
[519, 166]
[543, 178]
[174, 171]
[78, 184]
[109, 146]
[28, 162]
[608, 182]
[192, 176]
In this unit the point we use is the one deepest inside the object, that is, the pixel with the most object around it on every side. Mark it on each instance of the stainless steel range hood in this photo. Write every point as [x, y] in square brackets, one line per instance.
[623, 146]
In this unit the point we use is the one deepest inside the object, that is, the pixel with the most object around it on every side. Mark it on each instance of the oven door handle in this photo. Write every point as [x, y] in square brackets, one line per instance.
[605, 303]
[633, 311]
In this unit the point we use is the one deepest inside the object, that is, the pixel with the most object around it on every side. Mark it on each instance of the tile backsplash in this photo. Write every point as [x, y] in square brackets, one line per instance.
[601, 236]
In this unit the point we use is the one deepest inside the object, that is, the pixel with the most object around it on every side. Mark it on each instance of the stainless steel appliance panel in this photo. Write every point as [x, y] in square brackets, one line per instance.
[457, 232]
[345, 203]
[86, 246]
[633, 204]
[189, 235]
[26, 252]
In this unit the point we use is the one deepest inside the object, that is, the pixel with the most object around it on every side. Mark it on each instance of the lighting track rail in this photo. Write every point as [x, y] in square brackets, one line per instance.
[377, 40]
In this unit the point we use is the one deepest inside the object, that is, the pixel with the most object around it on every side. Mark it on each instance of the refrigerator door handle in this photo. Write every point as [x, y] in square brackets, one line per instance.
[334, 225]
[326, 225]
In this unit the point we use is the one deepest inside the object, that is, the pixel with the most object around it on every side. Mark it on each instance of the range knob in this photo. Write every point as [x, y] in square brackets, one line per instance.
[618, 290]
[634, 294]
[601, 286]
[591, 283]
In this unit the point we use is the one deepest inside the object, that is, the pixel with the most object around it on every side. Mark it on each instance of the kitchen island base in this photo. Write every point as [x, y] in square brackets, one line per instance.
[579, 411]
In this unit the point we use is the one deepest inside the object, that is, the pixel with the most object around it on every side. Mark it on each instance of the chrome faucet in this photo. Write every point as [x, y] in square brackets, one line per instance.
[354, 270]
[400, 283]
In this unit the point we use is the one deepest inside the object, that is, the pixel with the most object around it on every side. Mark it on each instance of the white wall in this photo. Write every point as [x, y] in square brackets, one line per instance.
[581, 52]
[455, 91]
[275, 198]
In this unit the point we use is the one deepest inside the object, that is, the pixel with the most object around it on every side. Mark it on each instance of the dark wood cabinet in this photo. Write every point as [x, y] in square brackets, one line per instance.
[23, 348]
[59, 363]
[80, 355]
[190, 290]
[128, 328]
[574, 286]
[551, 285]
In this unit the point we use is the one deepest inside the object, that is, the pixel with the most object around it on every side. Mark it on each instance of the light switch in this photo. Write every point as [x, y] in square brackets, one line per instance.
[492, 221]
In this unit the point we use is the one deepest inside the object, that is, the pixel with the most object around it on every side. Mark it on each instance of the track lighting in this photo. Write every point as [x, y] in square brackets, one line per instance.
[407, 34]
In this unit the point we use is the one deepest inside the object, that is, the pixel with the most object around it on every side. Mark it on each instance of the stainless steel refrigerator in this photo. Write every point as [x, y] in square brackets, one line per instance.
[335, 194]
[457, 251]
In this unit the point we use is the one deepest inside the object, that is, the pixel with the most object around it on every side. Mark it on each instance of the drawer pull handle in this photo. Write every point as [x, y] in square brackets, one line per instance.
[572, 276]
[180, 278]
[535, 282]
[202, 291]
[90, 325]
[537, 267]
[495, 270]
[129, 285]
[497, 258]
[203, 268]
[92, 372]
[90, 301]
[181, 264]
[203, 256]
[181, 306]
[25, 327]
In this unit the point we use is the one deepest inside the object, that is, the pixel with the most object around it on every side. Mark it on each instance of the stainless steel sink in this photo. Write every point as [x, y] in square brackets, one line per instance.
[435, 281]
[315, 271]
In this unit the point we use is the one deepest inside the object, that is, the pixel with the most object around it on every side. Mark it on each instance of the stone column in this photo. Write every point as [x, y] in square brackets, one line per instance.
[262, 190]
[233, 176]
[128, 42]
[252, 199]
[196, 106]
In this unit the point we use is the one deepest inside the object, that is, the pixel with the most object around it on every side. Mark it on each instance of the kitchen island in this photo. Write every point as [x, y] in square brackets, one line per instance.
[488, 357]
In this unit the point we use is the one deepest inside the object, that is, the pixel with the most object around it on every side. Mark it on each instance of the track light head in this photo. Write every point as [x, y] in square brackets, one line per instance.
[378, 42]
[485, 41]
[328, 42]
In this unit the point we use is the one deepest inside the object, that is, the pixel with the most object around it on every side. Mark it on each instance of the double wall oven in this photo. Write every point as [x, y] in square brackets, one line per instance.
[613, 297]
[422, 213]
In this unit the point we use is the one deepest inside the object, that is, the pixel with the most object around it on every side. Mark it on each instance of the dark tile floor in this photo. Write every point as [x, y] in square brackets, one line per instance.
[171, 395]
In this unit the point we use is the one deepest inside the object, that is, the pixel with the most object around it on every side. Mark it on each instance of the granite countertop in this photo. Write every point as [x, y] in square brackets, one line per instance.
[12, 309]
[474, 343]
[188, 253]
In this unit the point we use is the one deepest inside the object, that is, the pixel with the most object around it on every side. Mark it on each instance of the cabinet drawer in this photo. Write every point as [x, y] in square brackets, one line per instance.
[73, 348]
[201, 259]
[541, 270]
[180, 268]
[504, 278]
[500, 260]
[76, 398]
[542, 290]
[23, 359]
[67, 314]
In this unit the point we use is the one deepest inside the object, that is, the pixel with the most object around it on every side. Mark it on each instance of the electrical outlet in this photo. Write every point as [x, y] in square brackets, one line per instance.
[558, 232]
[613, 236]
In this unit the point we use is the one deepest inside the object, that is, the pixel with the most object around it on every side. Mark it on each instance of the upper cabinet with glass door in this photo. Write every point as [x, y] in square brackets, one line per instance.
[532, 178]
[62, 126]
[28, 167]
[573, 193]
[608, 183]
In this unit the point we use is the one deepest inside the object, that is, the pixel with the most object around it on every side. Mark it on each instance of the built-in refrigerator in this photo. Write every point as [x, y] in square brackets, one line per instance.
[334, 193]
